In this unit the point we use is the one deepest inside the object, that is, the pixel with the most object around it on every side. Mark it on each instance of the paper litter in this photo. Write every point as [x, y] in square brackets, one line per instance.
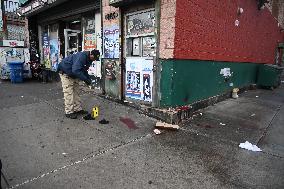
[249, 146]
[157, 131]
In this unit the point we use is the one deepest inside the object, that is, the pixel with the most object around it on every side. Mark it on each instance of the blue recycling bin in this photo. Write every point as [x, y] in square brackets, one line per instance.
[16, 72]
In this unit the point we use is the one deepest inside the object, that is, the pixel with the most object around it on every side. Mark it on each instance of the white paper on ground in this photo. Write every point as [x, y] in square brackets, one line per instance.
[250, 147]
[157, 131]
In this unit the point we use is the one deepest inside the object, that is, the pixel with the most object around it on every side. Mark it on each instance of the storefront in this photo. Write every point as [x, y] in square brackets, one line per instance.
[130, 59]
[67, 28]
[14, 37]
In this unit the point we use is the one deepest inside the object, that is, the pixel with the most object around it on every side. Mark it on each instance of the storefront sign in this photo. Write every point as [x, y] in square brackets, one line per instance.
[51, 1]
[35, 4]
[11, 5]
[26, 9]
[13, 43]
[115, 1]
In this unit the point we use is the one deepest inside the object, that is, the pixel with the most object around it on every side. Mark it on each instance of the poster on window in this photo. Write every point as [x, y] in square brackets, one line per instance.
[111, 42]
[140, 23]
[90, 42]
[149, 46]
[54, 54]
[139, 79]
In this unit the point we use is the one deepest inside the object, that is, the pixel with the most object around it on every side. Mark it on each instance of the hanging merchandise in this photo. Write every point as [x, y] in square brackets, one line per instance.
[46, 51]
[54, 54]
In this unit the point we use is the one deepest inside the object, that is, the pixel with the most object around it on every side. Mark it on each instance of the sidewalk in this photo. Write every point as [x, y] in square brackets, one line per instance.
[40, 148]
[256, 116]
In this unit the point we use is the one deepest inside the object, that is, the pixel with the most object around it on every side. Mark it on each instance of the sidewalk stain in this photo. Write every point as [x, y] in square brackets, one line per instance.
[128, 122]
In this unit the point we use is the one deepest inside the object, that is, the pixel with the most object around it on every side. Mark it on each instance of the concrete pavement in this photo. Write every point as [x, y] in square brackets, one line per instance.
[40, 148]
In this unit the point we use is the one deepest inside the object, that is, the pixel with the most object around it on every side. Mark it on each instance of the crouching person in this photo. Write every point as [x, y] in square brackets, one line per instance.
[72, 69]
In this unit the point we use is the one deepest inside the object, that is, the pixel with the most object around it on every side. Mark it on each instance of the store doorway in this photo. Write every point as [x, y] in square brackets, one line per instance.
[72, 41]
[139, 54]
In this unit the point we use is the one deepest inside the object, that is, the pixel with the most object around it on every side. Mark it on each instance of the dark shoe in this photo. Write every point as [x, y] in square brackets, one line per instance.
[88, 117]
[82, 112]
[71, 116]
[103, 121]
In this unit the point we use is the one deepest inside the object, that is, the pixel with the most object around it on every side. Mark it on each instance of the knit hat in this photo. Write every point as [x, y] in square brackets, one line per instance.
[96, 54]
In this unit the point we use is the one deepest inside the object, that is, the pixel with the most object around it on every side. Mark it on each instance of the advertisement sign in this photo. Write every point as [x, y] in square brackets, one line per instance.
[90, 42]
[111, 42]
[13, 43]
[139, 79]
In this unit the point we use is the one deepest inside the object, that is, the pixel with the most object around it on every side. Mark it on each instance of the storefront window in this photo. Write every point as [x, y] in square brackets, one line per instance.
[140, 39]
[142, 23]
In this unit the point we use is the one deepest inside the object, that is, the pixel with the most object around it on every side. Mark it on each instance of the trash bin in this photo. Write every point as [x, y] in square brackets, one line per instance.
[269, 75]
[16, 72]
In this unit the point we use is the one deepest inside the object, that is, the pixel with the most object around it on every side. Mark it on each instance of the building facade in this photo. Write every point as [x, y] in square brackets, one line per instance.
[14, 39]
[215, 47]
[165, 53]
[62, 27]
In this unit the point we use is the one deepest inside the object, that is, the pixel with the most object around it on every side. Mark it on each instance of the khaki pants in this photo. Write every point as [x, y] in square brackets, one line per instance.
[71, 94]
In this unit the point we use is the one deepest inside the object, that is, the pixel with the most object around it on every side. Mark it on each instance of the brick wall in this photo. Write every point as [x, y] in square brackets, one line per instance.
[108, 9]
[206, 30]
[167, 28]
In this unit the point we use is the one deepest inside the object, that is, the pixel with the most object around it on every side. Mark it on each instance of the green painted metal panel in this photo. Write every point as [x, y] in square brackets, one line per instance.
[187, 81]
[269, 75]
[166, 82]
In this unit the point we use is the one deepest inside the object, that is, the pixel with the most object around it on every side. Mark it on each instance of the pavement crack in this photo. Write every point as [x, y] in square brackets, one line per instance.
[87, 157]
[270, 123]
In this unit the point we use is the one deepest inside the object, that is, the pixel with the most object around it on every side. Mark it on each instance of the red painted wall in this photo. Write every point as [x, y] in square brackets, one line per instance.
[205, 30]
